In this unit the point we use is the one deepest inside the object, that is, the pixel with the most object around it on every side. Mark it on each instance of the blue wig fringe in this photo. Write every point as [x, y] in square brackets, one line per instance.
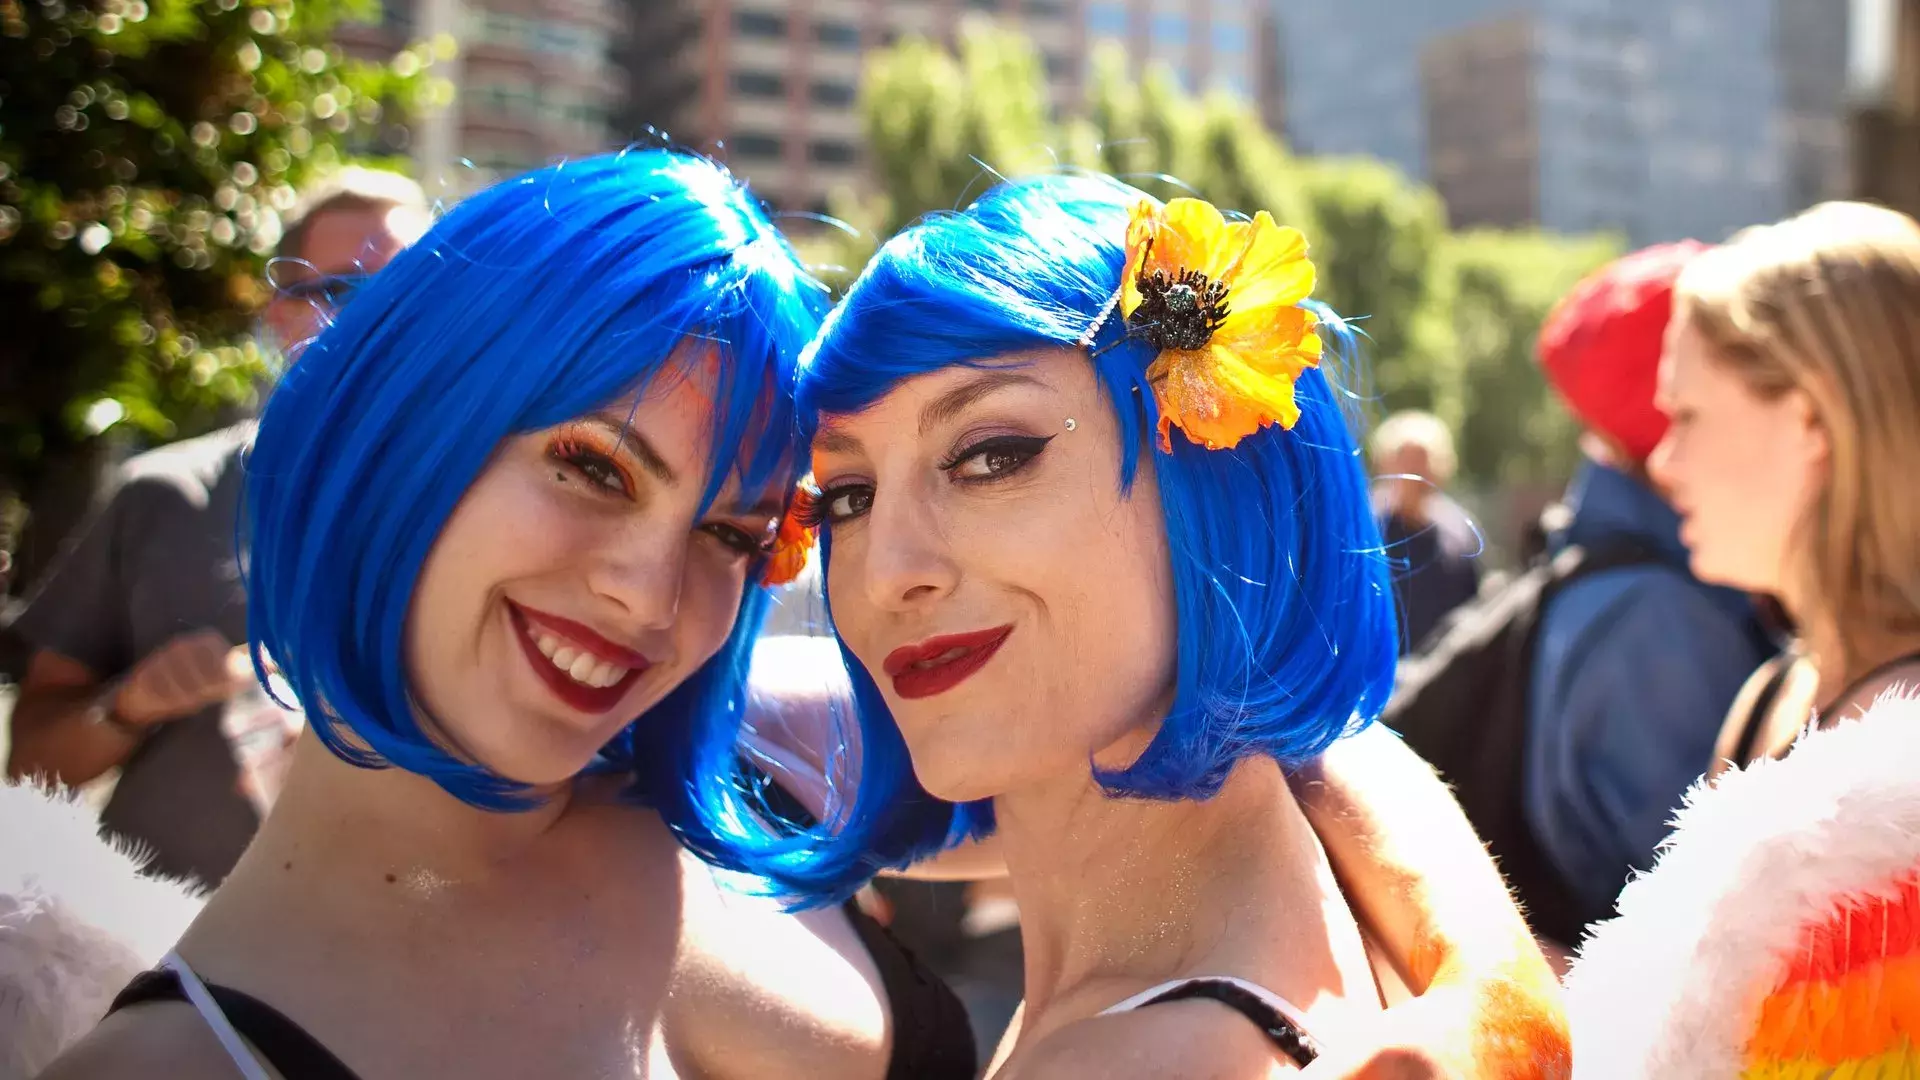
[1287, 616]
[530, 303]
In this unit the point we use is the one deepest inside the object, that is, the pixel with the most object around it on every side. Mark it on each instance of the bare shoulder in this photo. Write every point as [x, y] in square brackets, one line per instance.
[1195, 1040]
[159, 1039]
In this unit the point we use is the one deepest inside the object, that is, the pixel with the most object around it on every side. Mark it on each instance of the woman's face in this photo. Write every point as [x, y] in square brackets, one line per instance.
[577, 582]
[1740, 469]
[1014, 607]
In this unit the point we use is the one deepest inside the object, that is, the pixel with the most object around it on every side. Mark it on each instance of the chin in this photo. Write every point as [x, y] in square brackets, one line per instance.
[947, 776]
[541, 762]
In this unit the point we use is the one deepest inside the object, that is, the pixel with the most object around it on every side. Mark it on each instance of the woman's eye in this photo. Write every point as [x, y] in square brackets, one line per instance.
[995, 458]
[847, 503]
[585, 458]
[600, 471]
[737, 539]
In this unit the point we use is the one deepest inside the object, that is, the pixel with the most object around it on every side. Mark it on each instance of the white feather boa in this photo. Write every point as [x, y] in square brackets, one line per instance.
[77, 921]
[1669, 990]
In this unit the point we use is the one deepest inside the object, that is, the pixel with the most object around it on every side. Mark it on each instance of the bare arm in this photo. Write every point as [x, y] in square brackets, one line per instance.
[66, 725]
[52, 733]
[1417, 874]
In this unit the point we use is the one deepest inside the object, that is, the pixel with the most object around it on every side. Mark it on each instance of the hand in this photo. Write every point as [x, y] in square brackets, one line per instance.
[181, 677]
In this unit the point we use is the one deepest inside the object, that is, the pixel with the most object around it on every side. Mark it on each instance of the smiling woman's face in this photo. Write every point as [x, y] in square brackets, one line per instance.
[1014, 606]
[577, 583]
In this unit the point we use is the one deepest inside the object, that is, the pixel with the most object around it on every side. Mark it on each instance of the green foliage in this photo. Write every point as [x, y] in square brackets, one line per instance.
[1506, 283]
[147, 148]
[1450, 320]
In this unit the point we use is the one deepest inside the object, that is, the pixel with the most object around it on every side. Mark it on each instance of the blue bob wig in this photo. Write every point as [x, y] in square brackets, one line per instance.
[1287, 632]
[530, 303]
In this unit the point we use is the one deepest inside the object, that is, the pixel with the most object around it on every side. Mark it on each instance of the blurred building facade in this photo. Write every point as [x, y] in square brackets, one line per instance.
[1660, 121]
[1884, 84]
[533, 80]
[772, 84]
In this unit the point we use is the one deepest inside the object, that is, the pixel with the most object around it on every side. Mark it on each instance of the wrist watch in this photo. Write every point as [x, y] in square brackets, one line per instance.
[102, 713]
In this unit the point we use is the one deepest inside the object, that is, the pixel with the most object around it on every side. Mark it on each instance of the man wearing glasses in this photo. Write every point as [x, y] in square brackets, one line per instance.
[137, 632]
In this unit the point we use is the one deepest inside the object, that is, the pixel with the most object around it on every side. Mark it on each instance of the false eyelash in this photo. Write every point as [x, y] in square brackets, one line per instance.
[810, 505]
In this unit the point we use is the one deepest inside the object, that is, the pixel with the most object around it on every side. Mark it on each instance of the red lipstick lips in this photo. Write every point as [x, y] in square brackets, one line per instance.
[939, 664]
[592, 700]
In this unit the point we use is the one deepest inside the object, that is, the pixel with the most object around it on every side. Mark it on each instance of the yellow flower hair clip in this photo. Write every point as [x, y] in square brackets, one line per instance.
[1220, 300]
[788, 553]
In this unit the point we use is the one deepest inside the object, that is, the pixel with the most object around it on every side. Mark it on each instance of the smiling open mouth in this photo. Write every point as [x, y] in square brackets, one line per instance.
[939, 664]
[583, 669]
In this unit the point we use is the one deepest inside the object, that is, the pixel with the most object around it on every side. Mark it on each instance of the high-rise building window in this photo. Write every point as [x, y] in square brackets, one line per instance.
[837, 35]
[1046, 9]
[984, 5]
[751, 144]
[763, 24]
[831, 152]
[834, 94]
[759, 84]
[1169, 29]
[1229, 38]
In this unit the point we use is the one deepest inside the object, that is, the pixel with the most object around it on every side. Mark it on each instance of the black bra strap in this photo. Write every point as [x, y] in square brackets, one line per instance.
[1757, 715]
[1285, 1034]
[287, 1047]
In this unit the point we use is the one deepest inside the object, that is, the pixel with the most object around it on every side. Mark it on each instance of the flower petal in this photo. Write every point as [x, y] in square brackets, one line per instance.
[1143, 224]
[1272, 268]
[1216, 398]
[1273, 340]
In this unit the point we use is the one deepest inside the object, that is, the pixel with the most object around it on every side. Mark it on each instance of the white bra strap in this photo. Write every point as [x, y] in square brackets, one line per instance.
[209, 1010]
[1279, 1004]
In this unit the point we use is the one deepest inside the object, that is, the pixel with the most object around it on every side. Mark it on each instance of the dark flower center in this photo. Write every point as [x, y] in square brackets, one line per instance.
[1180, 312]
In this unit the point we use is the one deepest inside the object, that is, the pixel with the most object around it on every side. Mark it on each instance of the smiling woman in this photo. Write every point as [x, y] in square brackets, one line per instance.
[511, 521]
[1099, 636]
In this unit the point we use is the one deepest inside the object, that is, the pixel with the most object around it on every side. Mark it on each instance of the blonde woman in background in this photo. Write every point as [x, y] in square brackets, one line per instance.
[1792, 376]
[1779, 935]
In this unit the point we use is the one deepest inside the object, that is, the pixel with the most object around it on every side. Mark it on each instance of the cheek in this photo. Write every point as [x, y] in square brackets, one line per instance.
[710, 596]
[1103, 574]
[507, 527]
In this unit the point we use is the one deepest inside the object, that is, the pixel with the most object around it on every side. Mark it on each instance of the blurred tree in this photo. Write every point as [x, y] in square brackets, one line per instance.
[1516, 432]
[147, 148]
[1449, 320]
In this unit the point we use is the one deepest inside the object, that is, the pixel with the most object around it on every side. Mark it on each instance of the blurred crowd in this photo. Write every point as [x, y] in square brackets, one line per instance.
[1737, 558]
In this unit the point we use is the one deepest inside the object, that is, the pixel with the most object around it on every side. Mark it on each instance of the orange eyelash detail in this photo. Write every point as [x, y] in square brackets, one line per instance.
[794, 541]
[575, 446]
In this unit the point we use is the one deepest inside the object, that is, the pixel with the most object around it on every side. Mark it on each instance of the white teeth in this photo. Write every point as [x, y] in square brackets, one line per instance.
[582, 666]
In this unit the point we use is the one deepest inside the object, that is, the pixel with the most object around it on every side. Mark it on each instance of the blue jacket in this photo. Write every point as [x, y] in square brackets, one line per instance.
[1634, 672]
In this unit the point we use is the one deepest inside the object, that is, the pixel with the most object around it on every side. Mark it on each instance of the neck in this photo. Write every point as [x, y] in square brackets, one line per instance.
[1842, 654]
[339, 822]
[1136, 892]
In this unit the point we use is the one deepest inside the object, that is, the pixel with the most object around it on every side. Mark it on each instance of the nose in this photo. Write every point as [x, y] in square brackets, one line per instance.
[641, 571]
[1660, 463]
[907, 561]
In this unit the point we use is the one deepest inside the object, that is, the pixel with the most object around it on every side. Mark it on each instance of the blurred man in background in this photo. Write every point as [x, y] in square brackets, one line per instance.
[1427, 534]
[137, 633]
[1636, 664]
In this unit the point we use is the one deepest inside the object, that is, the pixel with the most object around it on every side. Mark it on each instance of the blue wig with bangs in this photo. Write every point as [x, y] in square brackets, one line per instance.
[531, 303]
[1287, 631]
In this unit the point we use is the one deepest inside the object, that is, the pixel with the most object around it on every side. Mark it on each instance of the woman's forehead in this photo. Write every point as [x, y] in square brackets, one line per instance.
[923, 402]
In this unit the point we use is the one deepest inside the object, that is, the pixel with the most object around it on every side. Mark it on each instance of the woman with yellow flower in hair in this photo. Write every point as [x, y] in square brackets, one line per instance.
[1099, 554]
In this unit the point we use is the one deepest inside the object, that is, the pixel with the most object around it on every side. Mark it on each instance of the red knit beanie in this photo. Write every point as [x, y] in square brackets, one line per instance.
[1600, 347]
